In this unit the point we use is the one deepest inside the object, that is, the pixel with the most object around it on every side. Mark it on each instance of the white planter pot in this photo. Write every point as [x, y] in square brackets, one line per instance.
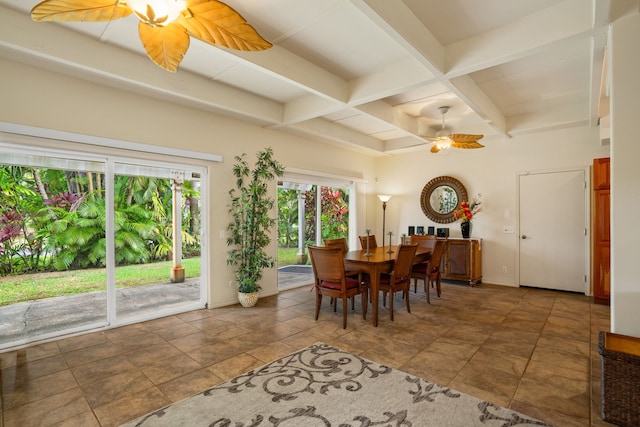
[248, 300]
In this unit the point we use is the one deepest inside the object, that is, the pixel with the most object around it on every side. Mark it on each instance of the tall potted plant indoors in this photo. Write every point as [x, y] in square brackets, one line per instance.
[251, 222]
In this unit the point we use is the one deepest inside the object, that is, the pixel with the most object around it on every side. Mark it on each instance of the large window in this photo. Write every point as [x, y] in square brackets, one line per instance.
[95, 241]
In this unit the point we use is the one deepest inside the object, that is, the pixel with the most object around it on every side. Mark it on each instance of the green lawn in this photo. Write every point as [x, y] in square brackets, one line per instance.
[29, 287]
[287, 256]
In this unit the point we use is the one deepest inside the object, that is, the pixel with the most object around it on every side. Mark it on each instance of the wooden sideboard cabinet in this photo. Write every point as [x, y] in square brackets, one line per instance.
[462, 260]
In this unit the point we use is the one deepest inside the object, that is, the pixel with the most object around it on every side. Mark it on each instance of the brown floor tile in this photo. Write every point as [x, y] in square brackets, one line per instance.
[501, 361]
[130, 407]
[48, 410]
[565, 396]
[235, 366]
[454, 349]
[85, 419]
[162, 370]
[190, 384]
[436, 367]
[82, 341]
[533, 350]
[495, 381]
[92, 372]
[21, 393]
[106, 390]
[92, 354]
[24, 372]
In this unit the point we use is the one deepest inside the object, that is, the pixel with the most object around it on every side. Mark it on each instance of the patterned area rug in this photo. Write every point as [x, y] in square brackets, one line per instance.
[324, 386]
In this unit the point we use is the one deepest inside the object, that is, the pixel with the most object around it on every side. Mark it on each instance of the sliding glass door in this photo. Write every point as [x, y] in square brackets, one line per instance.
[91, 242]
[157, 224]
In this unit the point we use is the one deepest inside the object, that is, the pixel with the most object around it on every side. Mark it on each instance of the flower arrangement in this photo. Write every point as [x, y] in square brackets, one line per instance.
[468, 210]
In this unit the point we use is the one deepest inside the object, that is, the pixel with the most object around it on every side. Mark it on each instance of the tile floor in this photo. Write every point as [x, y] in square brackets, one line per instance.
[528, 349]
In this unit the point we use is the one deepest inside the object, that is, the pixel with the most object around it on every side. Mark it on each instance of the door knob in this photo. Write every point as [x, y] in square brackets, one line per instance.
[524, 237]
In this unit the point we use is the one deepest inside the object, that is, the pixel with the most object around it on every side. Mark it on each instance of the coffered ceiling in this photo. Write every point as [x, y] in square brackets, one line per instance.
[365, 74]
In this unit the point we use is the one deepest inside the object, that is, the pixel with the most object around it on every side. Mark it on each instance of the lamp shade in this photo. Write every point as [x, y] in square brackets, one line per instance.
[384, 198]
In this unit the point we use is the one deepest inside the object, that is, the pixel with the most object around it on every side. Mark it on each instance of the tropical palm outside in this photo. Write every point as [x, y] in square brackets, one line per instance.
[53, 234]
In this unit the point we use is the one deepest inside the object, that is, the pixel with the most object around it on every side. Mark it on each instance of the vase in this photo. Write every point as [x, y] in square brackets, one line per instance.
[465, 228]
[248, 300]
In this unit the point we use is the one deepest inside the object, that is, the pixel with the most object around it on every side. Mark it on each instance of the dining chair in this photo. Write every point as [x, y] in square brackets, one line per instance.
[399, 279]
[372, 241]
[422, 238]
[331, 281]
[430, 271]
[342, 244]
[427, 241]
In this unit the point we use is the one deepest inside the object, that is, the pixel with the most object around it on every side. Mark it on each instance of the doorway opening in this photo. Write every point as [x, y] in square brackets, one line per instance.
[309, 211]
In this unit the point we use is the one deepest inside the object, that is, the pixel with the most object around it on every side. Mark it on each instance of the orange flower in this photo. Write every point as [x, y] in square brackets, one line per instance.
[467, 211]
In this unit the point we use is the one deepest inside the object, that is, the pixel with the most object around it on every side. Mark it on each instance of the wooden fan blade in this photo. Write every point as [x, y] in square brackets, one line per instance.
[165, 46]
[465, 137]
[434, 148]
[218, 24]
[471, 144]
[79, 10]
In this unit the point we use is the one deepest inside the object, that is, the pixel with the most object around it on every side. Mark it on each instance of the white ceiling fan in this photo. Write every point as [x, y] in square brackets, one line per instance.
[444, 139]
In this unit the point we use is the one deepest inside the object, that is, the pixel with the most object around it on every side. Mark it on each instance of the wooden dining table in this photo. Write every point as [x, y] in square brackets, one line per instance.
[377, 262]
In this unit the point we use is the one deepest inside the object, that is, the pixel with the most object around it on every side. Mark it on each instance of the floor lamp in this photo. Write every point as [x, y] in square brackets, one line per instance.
[384, 199]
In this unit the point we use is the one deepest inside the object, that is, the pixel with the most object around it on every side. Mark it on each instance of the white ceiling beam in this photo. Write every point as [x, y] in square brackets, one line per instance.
[401, 144]
[479, 102]
[308, 107]
[533, 33]
[385, 113]
[49, 44]
[399, 23]
[397, 20]
[336, 134]
[562, 117]
[392, 80]
[293, 69]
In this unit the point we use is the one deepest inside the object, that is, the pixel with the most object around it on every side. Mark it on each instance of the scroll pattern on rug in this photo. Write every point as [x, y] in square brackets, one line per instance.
[323, 386]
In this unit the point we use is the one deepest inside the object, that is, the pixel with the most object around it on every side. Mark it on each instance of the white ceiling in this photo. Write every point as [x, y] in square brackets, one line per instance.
[368, 74]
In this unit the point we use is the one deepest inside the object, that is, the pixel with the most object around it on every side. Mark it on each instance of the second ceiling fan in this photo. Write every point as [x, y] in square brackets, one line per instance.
[444, 139]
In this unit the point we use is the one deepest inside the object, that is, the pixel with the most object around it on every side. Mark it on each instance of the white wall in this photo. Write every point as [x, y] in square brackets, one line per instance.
[625, 175]
[491, 171]
[33, 97]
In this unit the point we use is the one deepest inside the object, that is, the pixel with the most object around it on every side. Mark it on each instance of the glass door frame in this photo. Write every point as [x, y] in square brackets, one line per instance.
[19, 146]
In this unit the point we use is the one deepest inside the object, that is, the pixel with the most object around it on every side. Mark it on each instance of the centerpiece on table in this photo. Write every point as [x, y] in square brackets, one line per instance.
[466, 213]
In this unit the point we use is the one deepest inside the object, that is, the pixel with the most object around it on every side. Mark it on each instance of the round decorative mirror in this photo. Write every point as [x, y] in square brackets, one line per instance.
[440, 197]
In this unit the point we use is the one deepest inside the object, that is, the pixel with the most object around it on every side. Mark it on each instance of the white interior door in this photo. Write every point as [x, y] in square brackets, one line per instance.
[553, 230]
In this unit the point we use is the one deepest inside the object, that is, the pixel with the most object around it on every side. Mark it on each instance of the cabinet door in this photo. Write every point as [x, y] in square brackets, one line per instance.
[459, 261]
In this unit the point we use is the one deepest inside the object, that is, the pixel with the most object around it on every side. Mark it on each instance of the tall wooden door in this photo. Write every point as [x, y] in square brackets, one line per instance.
[553, 230]
[601, 245]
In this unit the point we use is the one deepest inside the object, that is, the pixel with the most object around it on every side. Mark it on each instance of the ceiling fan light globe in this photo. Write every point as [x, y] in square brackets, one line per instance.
[443, 142]
[157, 12]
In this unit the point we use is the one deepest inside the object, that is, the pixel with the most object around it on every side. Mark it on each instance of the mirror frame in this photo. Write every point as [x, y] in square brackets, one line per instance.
[425, 197]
